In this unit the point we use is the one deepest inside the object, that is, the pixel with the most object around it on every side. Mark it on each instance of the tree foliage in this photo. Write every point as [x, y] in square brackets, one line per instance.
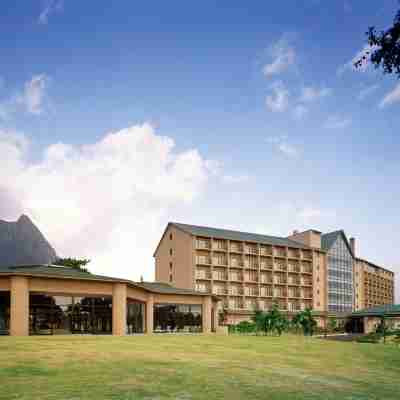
[271, 322]
[306, 320]
[73, 263]
[384, 48]
[332, 324]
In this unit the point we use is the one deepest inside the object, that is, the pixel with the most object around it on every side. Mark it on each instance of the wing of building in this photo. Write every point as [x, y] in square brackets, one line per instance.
[247, 270]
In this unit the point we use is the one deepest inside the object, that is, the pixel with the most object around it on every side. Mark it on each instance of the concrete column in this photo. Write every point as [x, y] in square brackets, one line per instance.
[19, 307]
[150, 314]
[216, 316]
[119, 309]
[206, 314]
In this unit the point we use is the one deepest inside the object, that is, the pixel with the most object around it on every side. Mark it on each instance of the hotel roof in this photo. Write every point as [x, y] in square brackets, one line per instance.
[237, 235]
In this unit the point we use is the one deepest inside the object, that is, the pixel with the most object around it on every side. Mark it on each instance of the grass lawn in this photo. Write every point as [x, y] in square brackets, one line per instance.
[196, 367]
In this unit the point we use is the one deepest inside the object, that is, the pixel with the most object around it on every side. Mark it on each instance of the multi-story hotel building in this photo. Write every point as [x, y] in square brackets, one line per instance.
[247, 271]
[374, 285]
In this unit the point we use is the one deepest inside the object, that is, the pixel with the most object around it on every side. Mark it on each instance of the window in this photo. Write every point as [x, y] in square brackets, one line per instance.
[171, 278]
[170, 267]
[170, 236]
[177, 318]
[170, 252]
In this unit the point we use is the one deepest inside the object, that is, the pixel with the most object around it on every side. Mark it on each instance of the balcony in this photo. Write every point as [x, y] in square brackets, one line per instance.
[219, 245]
[251, 278]
[293, 253]
[236, 278]
[280, 268]
[202, 288]
[236, 248]
[219, 277]
[266, 293]
[233, 291]
[265, 251]
[250, 264]
[280, 281]
[220, 291]
[278, 252]
[251, 293]
[251, 250]
[203, 244]
[220, 261]
[265, 265]
[236, 264]
[203, 275]
[265, 279]
[203, 260]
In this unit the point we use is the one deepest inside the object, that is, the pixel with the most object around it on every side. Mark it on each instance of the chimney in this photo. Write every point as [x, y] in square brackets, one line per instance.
[353, 245]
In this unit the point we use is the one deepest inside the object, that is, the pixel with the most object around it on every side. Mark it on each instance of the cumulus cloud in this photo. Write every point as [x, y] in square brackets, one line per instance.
[235, 179]
[366, 91]
[282, 57]
[104, 200]
[50, 7]
[283, 146]
[34, 94]
[392, 97]
[364, 54]
[310, 94]
[300, 111]
[337, 122]
[278, 101]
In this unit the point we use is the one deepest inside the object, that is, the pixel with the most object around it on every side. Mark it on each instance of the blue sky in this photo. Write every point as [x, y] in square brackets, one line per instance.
[249, 117]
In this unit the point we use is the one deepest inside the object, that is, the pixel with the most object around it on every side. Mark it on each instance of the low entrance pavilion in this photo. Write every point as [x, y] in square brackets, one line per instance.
[46, 299]
[366, 321]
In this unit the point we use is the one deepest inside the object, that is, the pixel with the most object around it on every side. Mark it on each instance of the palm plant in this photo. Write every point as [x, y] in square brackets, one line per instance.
[307, 321]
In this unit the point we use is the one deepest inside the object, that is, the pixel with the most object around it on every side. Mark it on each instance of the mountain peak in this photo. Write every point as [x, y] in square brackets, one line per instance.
[24, 219]
[21, 242]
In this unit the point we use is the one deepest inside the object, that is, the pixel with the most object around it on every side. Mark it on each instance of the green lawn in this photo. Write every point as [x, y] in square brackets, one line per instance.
[196, 367]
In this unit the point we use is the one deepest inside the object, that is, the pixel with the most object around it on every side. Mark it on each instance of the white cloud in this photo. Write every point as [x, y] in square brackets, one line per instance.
[392, 97]
[337, 122]
[13, 146]
[366, 91]
[281, 143]
[310, 212]
[365, 54]
[105, 200]
[310, 94]
[234, 179]
[283, 56]
[300, 111]
[279, 100]
[34, 94]
[50, 7]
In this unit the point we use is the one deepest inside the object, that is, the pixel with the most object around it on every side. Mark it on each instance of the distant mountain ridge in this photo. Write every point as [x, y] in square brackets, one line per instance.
[22, 243]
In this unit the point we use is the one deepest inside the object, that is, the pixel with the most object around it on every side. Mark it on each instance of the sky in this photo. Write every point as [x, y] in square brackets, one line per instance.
[117, 117]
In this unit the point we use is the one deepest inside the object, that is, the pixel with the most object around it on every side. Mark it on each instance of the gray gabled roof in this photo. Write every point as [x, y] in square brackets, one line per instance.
[55, 271]
[237, 235]
[166, 288]
[329, 239]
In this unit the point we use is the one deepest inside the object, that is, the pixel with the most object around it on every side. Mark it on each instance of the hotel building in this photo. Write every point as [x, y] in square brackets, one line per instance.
[247, 271]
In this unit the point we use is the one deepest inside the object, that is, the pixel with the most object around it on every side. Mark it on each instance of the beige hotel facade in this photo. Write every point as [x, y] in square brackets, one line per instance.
[247, 271]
